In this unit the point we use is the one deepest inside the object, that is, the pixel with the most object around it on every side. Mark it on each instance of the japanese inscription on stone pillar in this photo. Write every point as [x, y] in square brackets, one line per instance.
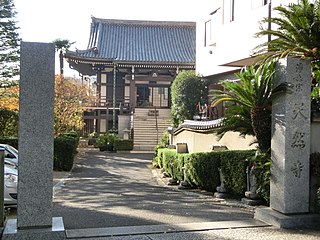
[290, 144]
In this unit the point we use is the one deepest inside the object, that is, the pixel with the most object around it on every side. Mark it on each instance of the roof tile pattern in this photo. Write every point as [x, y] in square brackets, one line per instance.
[142, 41]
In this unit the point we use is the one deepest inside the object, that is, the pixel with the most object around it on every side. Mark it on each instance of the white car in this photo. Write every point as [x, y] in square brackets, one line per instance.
[10, 155]
[10, 185]
[10, 174]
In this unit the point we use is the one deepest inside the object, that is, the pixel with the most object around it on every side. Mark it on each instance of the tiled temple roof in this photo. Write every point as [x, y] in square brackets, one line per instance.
[140, 42]
[199, 126]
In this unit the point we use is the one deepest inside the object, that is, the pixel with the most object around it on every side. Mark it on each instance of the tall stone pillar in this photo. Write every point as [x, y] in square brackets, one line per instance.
[35, 188]
[291, 139]
[290, 147]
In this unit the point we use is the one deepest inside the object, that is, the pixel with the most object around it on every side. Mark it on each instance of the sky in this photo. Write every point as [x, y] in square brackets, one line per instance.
[47, 20]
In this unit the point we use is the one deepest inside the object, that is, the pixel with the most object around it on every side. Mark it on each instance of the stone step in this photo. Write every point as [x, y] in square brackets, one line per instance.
[144, 148]
[146, 127]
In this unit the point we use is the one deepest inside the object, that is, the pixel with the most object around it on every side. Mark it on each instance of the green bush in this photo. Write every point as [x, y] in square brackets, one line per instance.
[168, 159]
[64, 153]
[123, 145]
[157, 160]
[187, 90]
[233, 167]
[262, 162]
[106, 142]
[72, 135]
[202, 170]
[164, 142]
[8, 122]
[13, 141]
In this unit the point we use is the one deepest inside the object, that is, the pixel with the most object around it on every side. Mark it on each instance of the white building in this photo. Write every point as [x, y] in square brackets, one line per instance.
[226, 38]
[225, 35]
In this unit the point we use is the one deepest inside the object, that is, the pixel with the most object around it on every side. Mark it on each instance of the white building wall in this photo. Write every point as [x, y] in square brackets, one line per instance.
[200, 142]
[232, 40]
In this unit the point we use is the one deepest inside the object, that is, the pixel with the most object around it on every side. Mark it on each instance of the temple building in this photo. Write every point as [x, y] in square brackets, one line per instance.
[135, 63]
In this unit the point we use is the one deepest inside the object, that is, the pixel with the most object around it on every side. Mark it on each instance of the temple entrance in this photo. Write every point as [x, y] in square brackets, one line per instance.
[153, 96]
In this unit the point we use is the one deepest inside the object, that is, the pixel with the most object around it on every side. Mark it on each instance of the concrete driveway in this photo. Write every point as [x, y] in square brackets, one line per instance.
[113, 190]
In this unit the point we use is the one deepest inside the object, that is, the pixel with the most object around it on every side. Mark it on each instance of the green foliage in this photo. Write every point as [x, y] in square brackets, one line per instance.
[106, 142]
[255, 88]
[187, 91]
[236, 118]
[169, 162]
[10, 41]
[202, 168]
[64, 153]
[233, 167]
[8, 123]
[157, 160]
[62, 44]
[262, 162]
[72, 135]
[123, 145]
[296, 32]
[164, 141]
[255, 92]
[12, 141]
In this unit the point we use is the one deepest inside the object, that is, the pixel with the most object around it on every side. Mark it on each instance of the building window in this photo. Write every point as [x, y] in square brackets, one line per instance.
[207, 33]
[211, 27]
[232, 10]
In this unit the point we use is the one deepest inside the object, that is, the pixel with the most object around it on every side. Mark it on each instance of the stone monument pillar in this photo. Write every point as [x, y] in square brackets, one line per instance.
[290, 148]
[35, 187]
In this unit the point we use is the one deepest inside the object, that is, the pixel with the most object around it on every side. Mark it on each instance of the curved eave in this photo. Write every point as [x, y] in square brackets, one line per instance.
[205, 131]
[76, 60]
[200, 127]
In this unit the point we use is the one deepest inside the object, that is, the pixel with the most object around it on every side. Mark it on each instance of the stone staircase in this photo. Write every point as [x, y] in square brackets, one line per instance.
[145, 123]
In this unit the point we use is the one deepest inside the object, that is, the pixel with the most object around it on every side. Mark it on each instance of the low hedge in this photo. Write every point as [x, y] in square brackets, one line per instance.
[233, 166]
[64, 150]
[12, 141]
[123, 145]
[64, 153]
[202, 168]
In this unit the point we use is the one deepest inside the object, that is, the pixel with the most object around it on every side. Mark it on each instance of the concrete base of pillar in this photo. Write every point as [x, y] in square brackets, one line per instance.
[57, 231]
[292, 221]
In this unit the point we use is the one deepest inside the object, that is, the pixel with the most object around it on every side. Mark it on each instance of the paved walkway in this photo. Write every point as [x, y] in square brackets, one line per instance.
[118, 196]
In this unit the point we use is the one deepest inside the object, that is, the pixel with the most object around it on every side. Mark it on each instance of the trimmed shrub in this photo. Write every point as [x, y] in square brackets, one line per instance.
[13, 141]
[64, 153]
[202, 170]
[169, 158]
[233, 167]
[72, 135]
[105, 142]
[123, 145]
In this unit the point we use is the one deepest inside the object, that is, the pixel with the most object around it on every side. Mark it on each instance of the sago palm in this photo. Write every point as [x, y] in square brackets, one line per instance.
[255, 91]
[295, 33]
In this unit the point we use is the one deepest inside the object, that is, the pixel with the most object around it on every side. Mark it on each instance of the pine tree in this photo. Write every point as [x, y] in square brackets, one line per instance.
[9, 41]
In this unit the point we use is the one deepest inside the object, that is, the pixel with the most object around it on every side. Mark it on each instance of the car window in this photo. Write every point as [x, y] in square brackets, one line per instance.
[8, 154]
[14, 150]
